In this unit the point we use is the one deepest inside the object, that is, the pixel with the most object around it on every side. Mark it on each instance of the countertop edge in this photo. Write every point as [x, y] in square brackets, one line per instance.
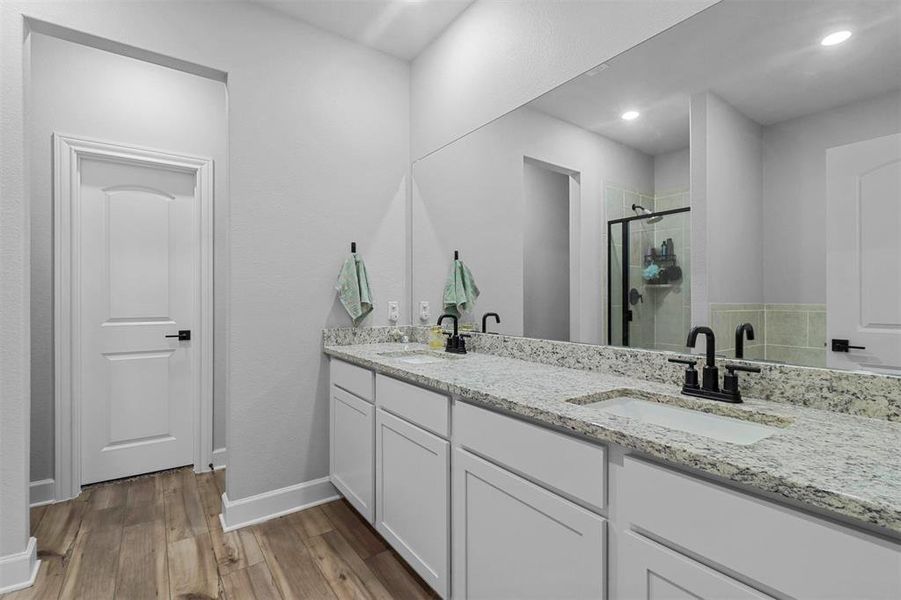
[850, 507]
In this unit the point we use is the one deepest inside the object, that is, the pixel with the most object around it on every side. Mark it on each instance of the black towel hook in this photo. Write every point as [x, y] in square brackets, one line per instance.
[353, 247]
[456, 255]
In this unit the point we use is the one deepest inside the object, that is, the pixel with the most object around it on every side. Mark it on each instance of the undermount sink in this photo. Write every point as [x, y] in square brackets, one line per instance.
[419, 357]
[738, 428]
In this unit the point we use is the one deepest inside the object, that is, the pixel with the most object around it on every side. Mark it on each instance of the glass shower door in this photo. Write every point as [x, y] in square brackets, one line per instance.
[649, 280]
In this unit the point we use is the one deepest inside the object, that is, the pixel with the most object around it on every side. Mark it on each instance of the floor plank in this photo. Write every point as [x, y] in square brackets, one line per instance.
[192, 569]
[344, 569]
[143, 568]
[220, 480]
[91, 570]
[398, 578]
[363, 539]
[160, 536]
[35, 516]
[58, 528]
[253, 582]
[184, 513]
[293, 569]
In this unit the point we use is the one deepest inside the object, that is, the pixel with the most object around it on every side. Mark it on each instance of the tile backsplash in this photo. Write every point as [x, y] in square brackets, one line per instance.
[789, 333]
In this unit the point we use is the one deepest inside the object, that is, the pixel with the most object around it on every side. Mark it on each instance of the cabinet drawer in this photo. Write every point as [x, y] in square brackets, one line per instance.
[572, 467]
[514, 539]
[430, 410]
[352, 378]
[778, 547]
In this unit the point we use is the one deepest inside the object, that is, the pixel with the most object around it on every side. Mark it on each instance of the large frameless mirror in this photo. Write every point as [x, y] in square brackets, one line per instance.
[742, 167]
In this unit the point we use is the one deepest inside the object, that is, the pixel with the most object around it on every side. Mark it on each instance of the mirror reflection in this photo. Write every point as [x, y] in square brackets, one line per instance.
[741, 170]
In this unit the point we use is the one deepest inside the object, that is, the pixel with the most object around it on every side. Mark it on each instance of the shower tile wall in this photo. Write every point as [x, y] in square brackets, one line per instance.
[796, 334]
[724, 318]
[789, 333]
[662, 320]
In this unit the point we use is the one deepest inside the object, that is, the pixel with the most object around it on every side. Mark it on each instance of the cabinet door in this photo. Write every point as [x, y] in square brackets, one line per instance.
[653, 572]
[412, 510]
[514, 539]
[351, 459]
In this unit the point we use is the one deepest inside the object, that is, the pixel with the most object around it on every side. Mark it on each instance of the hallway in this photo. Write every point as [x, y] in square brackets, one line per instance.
[159, 536]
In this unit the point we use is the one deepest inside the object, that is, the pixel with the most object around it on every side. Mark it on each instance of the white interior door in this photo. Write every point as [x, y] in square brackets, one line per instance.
[864, 254]
[139, 242]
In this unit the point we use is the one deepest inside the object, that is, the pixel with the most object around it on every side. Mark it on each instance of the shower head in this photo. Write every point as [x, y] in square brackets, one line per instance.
[641, 210]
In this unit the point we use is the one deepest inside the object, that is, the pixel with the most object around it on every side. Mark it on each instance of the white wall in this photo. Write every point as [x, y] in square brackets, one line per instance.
[671, 172]
[318, 154]
[117, 99]
[469, 196]
[794, 192]
[545, 253]
[732, 216]
[498, 55]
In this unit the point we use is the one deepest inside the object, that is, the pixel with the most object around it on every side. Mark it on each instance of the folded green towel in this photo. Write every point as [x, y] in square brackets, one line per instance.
[460, 291]
[353, 288]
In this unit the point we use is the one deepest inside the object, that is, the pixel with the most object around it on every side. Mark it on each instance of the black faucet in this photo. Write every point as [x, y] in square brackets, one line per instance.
[496, 316]
[740, 338]
[456, 343]
[710, 378]
[710, 384]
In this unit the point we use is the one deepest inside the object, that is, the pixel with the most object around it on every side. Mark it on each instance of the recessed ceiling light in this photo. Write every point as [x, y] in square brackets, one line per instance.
[835, 38]
[630, 115]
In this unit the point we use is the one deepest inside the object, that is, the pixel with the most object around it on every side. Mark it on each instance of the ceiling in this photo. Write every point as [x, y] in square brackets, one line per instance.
[402, 28]
[762, 57]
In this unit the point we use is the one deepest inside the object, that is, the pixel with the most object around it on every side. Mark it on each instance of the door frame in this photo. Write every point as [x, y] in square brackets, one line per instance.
[68, 152]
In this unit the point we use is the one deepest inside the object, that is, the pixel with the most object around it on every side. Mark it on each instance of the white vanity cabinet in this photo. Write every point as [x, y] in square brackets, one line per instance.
[413, 477]
[515, 532]
[654, 572]
[764, 544]
[351, 439]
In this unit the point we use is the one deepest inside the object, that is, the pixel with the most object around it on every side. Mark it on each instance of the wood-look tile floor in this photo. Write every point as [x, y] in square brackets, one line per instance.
[159, 536]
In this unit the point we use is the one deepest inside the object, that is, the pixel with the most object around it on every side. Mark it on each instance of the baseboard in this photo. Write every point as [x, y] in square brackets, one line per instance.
[18, 571]
[219, 457]
[42, 492]
[269, 505]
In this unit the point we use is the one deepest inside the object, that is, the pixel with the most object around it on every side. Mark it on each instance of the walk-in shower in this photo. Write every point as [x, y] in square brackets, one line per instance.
[648, 279]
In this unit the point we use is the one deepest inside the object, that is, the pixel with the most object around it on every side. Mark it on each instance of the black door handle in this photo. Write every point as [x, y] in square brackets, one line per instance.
[183, 335]
[839, 345]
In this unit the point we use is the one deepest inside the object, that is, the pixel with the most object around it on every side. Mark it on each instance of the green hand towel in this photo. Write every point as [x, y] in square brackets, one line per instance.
[353, 288]
[460, 291]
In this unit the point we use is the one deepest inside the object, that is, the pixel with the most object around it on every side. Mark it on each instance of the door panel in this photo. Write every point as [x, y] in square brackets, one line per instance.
[864, 253]
[514, 539]
[352, 453]
[412, 496]
[653, 572]
[138, 264]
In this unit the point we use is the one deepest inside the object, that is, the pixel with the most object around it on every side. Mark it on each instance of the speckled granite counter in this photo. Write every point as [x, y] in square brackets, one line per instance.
[841, 463]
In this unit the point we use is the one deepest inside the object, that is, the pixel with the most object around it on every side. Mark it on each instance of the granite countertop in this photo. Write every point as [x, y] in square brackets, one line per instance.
[841, 463]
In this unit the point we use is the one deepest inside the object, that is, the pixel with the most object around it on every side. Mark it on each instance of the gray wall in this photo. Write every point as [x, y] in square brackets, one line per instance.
[118, 99]
[794, 192]
[469, 196]
[318, 155]
[734, 219]
[671, 172]
[545, 253]
[481, 68]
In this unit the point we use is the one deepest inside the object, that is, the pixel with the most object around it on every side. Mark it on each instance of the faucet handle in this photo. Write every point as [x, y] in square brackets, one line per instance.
[683, 361]
[691, 374]
[733, 368]
[730, 379]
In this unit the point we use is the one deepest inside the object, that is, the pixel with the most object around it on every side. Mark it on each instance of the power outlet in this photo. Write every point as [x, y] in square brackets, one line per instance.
[425, 313]
[393, 312]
